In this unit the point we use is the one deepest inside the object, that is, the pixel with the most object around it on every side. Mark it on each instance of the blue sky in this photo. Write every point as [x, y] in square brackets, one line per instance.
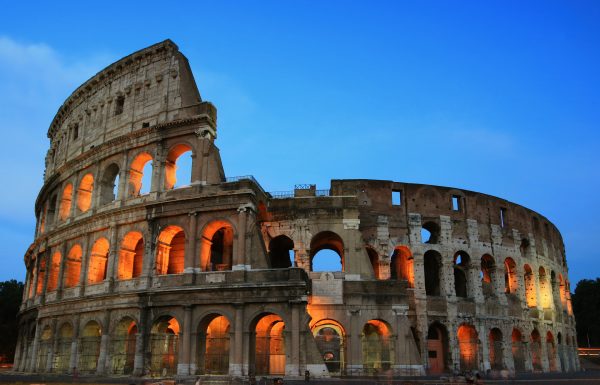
[498, 97]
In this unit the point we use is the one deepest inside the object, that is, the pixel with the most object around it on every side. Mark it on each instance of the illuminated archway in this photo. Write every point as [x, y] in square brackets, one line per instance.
[510, 276]
[109, 187]
[89, 347]
[213, 345]
[468, 343]
[123, 346]
[65, 202]
[84, 193]
[131, 256]
[53, 271]
[97, 262]
[536, 351]
[377, 346]
[327, 252]
[172, 177]
[374, 260]
[217, 246]
[267, 345]
[488, 270]
[545, 289]
[518, 350]
[329, 336]
[530, 292]
[170, 251]
[73, 267]
[164, 346]
[402, 265]
[140, 173]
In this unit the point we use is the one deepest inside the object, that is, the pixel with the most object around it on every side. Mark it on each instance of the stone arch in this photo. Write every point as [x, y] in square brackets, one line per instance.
[327, 240]
[518, 350]
[530, 289]
[281, 252]
[562, 291]
[44, 347]
[98, 261]
[173, 156]
[430, 233]
[66, 200]
[330, 338]
[73, 266]
[164, 346]
[468, 344]
[63, 351]
[496, 348]
[551, 351]
[213, 344]
[432, 266]
[488, 271]
[216, 252]
[53, 271]
[170, 251]
[131, 256]
[123, 341]
[377, 346]
[510, 276]
[462, 264]
[89, 347]
[536, 351]
[84, 192]
[437, 348]
[108, 182]
[374, 261]
[402, 265]
[267, 354]
[137, 170]
[545, 289]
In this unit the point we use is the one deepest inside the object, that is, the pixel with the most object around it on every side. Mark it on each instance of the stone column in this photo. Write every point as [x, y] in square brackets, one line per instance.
[54, 347]
[18, 348]
[148, 266]
[236, 365]
[239, 260]
[61, 270]
[36, 269]
[48, 258]
[447, 278]
[158, 170]
[474, 281]
[183, 367]
[138, 363]
[32, 367]
[74, 344]
[85, 260]
[191, 258]
[507, 356]
[113, 255]
[498, 284]
[123, 178]
[484, 358]
[355, 365]
[104, 343]
[293, 368]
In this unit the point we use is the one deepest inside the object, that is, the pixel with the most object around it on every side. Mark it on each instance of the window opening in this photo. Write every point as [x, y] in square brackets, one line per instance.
[502, 217]
[456, 203]
[120, 103]
[396, 198]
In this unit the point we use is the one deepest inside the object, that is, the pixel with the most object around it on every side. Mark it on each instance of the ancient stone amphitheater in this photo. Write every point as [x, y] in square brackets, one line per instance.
[138, 270]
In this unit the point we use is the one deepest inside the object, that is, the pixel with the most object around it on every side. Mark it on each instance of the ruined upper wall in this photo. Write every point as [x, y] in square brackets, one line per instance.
[152, 86]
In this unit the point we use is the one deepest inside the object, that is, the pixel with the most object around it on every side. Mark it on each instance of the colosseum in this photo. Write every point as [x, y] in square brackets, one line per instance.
[140, 269]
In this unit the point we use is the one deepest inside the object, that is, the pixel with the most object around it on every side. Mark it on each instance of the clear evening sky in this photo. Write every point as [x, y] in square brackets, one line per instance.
[498, 97]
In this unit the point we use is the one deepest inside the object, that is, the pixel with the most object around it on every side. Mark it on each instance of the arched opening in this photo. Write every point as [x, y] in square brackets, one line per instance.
[496, 349]
[84, 193]
[131, 256]
[545, 289]
[170, 251]
[164, 346]
[178, 164]
[140, 175]
[432, 265]
[327, 252]
[518, 350]
[437, 348]
[468, 344]
[44, 348]
[109, 186]
[123, 346]
[402, 265]
[53, 271]
[561, 352]
[488, 268]
[530, 294]
[217, 246]
[536, 351]
[51, 213]
[73, 267]
[89, 347]
[281, 252]
[267, 348]
[213, 345]
[97, 263]
[374, 261]
[65, 202]
[430, 233]
[63, 350]
[510, 276]
[329, 337]
[462, 263]
[377, 347]
[551, 351]
[41, 274]
[562, 292]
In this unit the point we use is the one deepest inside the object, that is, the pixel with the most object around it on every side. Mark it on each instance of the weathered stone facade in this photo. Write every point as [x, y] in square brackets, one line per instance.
[215, 277]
